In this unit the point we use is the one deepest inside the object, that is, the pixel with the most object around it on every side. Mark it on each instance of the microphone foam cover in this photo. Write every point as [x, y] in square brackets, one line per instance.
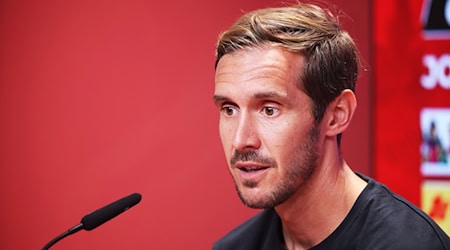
[102, 215]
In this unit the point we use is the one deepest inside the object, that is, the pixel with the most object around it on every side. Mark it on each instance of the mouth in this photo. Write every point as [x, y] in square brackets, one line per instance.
[253, 172]
[251, 168]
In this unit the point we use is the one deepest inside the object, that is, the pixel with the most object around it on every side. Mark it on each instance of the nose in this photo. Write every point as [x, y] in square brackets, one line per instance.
[246, 134]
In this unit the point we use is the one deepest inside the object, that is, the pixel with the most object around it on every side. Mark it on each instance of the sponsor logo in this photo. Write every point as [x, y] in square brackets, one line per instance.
[438, 71]
[436, 202]
[436, 19]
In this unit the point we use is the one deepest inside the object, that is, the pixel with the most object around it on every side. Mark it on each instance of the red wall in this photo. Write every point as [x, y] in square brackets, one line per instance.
[100, 99]
[412, 90]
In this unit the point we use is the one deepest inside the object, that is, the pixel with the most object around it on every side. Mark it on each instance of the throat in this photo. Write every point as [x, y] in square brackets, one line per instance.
[318, 210]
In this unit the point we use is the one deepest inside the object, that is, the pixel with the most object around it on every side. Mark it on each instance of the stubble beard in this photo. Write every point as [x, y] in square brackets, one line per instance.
[298, 171]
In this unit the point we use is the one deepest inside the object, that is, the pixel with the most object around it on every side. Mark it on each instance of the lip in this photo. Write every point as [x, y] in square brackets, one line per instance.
[251, 171]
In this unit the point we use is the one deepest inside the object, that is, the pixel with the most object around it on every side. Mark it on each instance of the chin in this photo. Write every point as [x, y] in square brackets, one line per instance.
[255, 198]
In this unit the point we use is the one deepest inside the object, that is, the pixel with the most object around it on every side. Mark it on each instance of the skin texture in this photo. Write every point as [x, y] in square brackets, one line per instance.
[262, 111]
[277, 155]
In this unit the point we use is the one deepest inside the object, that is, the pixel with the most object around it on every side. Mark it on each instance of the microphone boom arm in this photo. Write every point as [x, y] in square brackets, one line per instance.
[63, 235]
[98, 217]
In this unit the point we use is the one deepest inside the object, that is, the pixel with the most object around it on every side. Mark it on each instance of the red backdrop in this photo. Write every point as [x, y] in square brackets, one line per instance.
[410, 93]
[100, 99]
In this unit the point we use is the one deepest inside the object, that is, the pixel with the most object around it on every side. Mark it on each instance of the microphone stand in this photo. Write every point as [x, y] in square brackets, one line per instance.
[100, 216]
[63, 235]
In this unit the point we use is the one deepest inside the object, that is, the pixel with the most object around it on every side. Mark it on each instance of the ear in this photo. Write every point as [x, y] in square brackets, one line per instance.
[339, 113]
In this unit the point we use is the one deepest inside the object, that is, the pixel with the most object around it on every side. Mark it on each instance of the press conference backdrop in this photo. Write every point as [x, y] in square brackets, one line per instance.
[100, 99]
[412, 102]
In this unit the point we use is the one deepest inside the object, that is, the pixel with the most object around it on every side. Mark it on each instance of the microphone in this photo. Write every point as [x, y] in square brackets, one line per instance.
[100, 216]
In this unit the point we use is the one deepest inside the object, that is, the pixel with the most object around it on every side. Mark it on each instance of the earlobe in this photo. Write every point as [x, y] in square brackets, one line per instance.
[340, 112]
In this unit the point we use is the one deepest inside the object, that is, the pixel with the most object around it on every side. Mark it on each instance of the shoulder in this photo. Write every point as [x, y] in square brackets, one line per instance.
[392, 220]
[249, 235]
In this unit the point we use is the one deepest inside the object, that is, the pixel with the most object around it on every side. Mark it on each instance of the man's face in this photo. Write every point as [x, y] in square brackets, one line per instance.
[266, 126]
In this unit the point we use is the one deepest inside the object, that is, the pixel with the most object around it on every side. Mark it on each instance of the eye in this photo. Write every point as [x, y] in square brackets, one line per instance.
[270, 111]
[228, 110]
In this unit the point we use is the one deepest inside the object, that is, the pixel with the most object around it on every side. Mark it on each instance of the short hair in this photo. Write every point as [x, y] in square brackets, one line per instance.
[331, 57]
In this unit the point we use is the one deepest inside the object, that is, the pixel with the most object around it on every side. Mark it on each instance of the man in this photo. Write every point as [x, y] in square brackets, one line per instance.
[284, 85]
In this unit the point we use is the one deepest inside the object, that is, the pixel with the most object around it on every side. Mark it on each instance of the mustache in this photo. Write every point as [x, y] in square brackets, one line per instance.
[250, 156]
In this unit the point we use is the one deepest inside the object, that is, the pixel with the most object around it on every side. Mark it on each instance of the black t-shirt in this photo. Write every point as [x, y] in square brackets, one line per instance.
[379, 219]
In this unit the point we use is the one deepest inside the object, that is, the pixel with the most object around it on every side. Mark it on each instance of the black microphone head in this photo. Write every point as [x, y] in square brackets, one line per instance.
[102, 215]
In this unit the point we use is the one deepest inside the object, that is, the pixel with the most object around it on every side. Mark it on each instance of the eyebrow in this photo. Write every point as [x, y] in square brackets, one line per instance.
[219, 98]
[261, 95]
[269, 94]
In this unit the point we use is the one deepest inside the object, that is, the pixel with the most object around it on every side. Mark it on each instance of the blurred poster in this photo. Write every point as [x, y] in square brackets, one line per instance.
[436, 201]
[435, 147]
[411, 68]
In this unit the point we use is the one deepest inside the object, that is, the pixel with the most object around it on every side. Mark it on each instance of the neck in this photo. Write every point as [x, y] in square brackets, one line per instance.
[306, 217]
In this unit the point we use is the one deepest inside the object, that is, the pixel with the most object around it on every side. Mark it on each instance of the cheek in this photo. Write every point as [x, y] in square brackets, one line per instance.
[222, 129]
[225, 133]
[281, 133]
[285, 139]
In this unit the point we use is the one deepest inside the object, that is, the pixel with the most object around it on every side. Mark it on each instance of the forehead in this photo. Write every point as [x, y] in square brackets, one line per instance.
[263, 67]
